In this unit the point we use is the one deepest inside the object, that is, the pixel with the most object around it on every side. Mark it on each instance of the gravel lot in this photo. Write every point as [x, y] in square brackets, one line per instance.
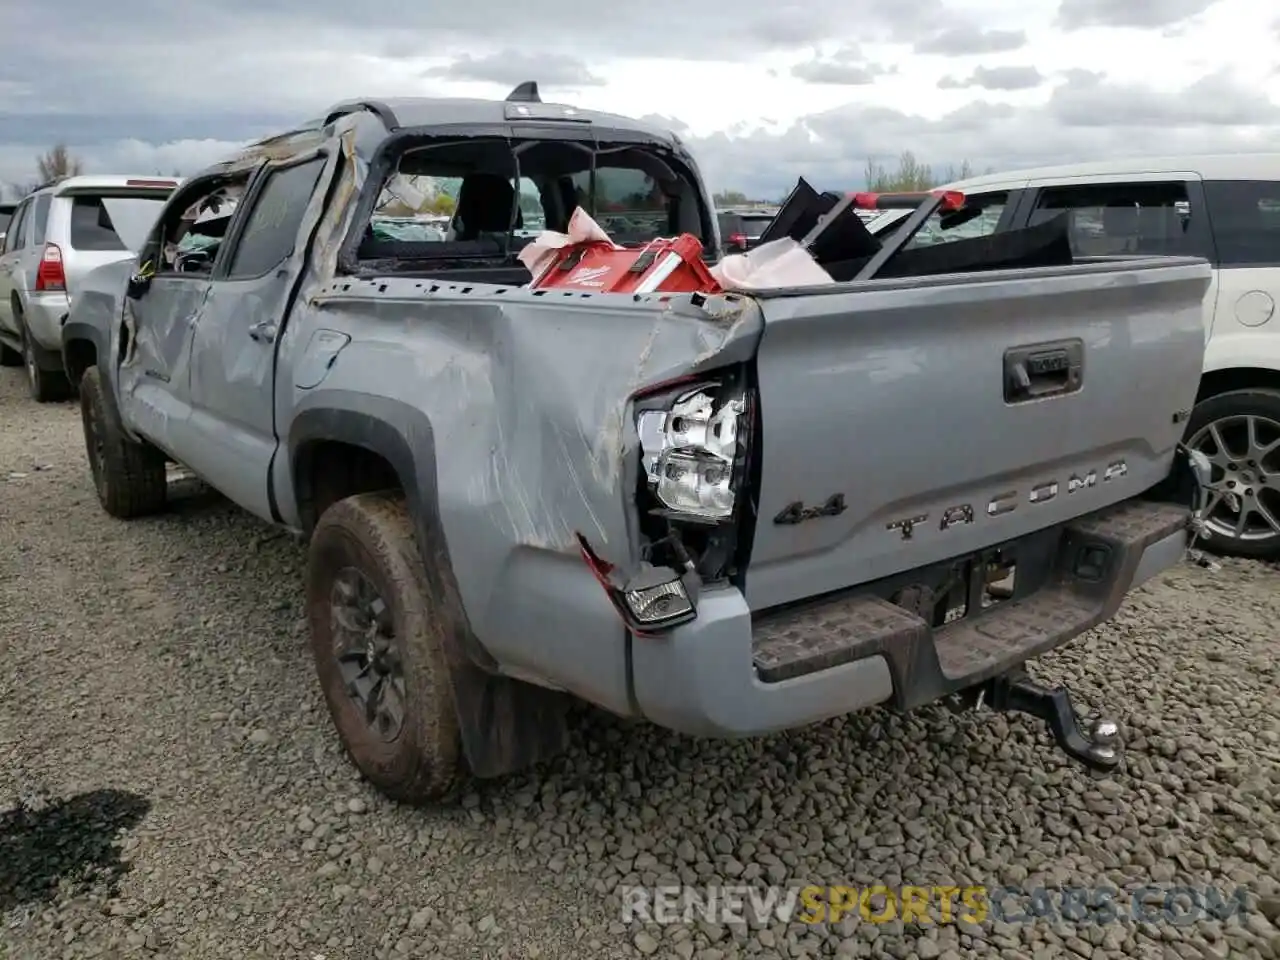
[157, 696]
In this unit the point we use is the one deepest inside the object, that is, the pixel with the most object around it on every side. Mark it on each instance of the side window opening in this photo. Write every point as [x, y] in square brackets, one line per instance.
[460, 203]
[41, 219]
[1245, 217]
[1134, 219]
[14, 239]
[271, 227]
[191, 238]
[938, 229]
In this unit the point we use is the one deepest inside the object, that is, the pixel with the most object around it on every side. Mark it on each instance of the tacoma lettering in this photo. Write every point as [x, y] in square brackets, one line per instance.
[962, 514]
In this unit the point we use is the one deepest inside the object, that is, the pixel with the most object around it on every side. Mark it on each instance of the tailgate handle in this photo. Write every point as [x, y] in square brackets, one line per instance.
[1043, 370]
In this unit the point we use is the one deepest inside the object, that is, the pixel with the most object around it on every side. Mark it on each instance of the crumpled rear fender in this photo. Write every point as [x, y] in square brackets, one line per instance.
[506, 417]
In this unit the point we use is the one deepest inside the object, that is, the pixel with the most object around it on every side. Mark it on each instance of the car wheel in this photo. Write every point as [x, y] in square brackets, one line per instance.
[377, 639]
[1239, 432]
[46, 386]
[130, 478]
[9, 357]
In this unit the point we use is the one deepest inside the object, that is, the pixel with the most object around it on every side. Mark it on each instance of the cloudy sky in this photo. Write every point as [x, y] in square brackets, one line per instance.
[764, 90]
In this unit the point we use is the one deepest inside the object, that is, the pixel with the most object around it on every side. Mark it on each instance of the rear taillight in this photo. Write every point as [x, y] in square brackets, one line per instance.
[50, 275]
[696, 435]
[738, 240]
[692, 452]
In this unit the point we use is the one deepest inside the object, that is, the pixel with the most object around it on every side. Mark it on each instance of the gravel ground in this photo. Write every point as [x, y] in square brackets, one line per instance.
[175, 789]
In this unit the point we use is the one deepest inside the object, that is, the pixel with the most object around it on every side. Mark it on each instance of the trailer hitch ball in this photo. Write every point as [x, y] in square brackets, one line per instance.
[1105, 737]
[1097, 745]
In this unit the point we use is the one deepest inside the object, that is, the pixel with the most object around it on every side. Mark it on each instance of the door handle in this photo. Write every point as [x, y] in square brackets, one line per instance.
[1043, 370]
[263, 331]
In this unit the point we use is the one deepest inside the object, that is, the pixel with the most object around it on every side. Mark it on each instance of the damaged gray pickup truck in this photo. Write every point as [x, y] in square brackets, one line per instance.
[727, 514]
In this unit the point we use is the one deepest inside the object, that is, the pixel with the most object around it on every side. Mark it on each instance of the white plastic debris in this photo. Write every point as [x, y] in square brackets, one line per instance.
[540, 254]
[777, 264]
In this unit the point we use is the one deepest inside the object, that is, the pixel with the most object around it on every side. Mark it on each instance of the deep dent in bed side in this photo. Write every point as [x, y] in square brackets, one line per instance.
[507, 425]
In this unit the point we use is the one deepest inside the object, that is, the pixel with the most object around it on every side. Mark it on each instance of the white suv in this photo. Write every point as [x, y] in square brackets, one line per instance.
[1226, 209]
[57, 234]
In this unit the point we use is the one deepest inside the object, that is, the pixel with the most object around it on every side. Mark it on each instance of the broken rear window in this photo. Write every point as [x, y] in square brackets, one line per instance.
[114, 221]
[487, 197]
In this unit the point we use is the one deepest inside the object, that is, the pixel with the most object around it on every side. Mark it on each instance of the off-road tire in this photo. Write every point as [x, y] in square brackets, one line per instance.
[9, 357]
[1257, 402]
[373, 532]
[129, 478]
[45, 386]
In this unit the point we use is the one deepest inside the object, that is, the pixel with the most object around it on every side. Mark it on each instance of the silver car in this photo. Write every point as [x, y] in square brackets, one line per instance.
[57, 234]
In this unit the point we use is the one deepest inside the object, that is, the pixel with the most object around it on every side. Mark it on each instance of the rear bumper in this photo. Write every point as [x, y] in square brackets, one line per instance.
[729, 674]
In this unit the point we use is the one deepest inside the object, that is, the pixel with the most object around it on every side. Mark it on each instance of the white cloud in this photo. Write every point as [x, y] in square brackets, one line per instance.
[763, 91]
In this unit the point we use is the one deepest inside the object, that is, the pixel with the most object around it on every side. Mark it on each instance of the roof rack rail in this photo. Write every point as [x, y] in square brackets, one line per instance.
[376, 107]
[526, 92]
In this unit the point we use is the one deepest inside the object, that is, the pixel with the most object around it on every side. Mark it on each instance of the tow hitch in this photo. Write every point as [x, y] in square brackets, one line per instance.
[1098, 747]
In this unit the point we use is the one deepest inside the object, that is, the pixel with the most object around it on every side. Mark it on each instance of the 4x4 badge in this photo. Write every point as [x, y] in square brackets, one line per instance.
[798, 513]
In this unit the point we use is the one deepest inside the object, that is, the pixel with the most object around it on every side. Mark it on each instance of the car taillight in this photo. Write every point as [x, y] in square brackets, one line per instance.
[50, 275]
[738, 240]
[692, 450]
[695, 434]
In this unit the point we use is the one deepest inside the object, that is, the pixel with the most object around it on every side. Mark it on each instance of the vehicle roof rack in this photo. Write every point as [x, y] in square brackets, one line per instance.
[526, 92]
[376, 107]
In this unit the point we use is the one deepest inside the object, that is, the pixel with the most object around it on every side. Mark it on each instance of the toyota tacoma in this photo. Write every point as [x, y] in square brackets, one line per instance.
[729, 514]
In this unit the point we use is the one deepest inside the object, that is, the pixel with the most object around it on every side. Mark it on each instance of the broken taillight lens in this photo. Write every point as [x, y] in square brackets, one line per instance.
[692, 451]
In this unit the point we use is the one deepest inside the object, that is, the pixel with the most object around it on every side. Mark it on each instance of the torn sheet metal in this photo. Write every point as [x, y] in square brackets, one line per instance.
[528, 406]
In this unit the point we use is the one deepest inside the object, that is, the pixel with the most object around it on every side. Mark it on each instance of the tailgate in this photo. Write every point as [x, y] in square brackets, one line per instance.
[892, 395]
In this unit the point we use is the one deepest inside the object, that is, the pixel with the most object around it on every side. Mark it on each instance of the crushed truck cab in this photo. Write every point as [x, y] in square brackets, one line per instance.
[726, 513]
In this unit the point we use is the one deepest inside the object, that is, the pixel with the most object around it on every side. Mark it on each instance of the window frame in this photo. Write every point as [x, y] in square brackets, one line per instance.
[384, 161]
[1220, 260]
[178, 202]
[1199, 236]
[43, 204]
[248, 205]
[16, 228]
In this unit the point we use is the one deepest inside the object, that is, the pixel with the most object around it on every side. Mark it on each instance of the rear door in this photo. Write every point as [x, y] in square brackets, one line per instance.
[9, 266]
[1245, 218]
[1132, 214]
[234, 347]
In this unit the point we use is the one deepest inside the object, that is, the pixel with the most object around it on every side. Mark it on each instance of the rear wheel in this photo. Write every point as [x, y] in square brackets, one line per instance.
[46, 386]
[130, 478]
[377, 638]
[1239, 432]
